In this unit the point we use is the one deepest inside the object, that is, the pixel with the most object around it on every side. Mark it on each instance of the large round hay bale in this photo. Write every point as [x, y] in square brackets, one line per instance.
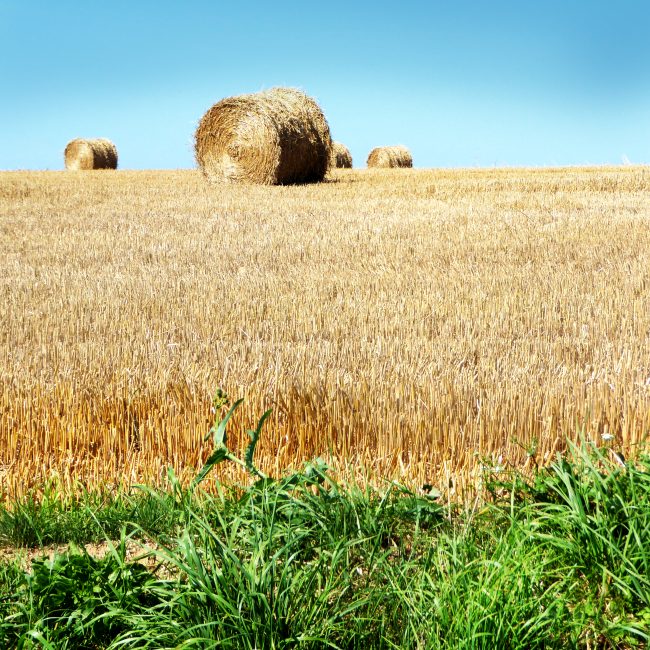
[97, 153]
[276, 137]
[398, 156]
[340, 156]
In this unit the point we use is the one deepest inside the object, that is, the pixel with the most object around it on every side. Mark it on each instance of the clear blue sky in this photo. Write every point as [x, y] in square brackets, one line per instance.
[463, 83]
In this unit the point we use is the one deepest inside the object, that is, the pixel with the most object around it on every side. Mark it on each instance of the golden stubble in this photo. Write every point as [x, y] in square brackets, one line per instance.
[410, 324]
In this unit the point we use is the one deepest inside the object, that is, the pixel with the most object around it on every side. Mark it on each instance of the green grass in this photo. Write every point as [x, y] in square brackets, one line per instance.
[51, 518]
[558, 561]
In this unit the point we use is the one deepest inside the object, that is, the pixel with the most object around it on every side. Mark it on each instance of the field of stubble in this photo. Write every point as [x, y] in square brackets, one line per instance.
[418, 324]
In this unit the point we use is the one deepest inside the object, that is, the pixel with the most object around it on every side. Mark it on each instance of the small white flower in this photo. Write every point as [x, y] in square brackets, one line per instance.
[607, 436]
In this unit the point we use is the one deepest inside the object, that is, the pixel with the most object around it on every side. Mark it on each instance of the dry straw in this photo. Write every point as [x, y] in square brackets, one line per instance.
[398, 156]
[341, 156]
[414, 346]
[276, 137]
[98, 153]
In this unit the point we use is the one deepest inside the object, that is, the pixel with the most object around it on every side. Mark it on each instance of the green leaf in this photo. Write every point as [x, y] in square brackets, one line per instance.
[250, 450]
[219, 436]
[216, 457]
[38, 636]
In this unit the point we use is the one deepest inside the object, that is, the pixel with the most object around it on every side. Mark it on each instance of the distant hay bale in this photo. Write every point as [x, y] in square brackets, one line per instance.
[398, 156]
[98, 153]
[276, 137]
[340, 156]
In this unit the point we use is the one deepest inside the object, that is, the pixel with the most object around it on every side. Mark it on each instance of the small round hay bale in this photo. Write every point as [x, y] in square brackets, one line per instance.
[398, 156]
[276, 137]
[340, 156]
[97, 153]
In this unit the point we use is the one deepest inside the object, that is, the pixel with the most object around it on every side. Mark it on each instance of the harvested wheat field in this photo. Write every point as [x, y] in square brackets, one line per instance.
[405, 325]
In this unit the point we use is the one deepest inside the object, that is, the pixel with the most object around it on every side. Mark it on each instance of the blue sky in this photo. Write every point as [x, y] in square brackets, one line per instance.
[462, 83]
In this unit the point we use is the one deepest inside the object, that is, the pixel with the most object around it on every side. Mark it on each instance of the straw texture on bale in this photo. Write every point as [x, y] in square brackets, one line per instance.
[97, 153]
[398, 156]
[276, 137]
[341, 156]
